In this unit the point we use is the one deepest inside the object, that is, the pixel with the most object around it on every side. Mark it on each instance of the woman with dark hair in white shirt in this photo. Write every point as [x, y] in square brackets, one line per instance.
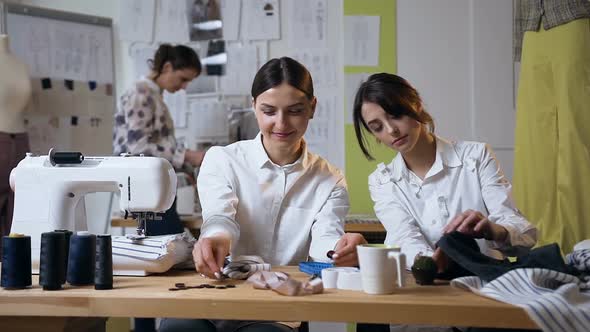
[433, 186]
[270, 196]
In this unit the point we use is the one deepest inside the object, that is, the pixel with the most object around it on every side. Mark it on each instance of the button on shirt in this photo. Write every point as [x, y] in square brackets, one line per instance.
[465, 175]
[282, 213]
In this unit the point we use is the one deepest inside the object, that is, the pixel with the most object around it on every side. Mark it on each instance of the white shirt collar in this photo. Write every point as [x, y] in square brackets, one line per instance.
[261, 158]
[446, 156]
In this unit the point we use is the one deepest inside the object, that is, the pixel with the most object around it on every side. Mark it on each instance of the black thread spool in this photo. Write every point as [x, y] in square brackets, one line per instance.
[16, 262]
[52, 261]
[68, 235]
[81, 259]
[103, 275]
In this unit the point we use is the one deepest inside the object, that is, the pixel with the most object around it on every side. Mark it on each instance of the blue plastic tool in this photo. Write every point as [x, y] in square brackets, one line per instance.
[314, 268]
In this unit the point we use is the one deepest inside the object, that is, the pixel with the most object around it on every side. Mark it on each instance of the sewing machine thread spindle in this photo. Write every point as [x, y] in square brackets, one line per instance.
[57, 158]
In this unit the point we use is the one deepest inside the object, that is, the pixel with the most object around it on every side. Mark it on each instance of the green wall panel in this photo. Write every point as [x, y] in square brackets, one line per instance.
[357, 166]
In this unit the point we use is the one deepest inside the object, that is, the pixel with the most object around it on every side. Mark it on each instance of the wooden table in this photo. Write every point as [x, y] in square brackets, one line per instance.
[358, 224]
[150, 297]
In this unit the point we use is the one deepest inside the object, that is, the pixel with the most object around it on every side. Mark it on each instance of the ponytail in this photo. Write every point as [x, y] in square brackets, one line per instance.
[179, 56]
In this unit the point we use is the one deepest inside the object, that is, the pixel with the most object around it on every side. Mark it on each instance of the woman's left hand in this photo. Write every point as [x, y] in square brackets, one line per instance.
[476, 225]
[345, 251]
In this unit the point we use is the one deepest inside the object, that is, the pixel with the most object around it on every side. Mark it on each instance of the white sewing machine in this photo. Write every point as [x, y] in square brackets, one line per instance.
[48, 188]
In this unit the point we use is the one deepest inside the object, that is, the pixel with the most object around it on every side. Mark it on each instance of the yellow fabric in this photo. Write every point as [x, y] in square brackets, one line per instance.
[552, 141]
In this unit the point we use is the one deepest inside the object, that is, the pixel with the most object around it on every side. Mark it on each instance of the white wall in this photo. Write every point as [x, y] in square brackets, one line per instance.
[104, 8]
[279, 48]
[458, 54]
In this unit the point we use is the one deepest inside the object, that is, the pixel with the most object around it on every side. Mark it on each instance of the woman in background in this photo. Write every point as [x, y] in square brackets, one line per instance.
[143, 125]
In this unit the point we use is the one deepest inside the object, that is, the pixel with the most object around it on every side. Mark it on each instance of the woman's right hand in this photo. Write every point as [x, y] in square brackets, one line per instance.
[475, 224]
[345, 250]
[195, 158]
[209, 254]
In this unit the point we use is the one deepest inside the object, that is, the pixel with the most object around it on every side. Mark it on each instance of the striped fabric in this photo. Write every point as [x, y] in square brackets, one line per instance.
[555, 301]
[145, 249]
[242, 267]
[582, 245]
[580, 260]
[155, 247]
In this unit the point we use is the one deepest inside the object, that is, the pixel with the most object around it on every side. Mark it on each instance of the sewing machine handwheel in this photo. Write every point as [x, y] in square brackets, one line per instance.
[57, 158]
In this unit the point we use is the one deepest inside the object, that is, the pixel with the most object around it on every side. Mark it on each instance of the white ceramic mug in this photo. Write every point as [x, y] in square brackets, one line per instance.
[381, 266]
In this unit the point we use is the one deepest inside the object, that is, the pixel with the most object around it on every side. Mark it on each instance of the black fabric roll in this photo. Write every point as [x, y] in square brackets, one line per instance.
[103, 275]
[81, 260]
[52, 261]
[464, 251]
[16, 262]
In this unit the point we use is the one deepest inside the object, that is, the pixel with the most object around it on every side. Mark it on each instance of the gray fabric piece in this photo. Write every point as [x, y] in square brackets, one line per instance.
[580, 260]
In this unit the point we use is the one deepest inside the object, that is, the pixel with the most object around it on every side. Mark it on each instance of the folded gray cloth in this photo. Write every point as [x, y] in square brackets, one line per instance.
[242, 267]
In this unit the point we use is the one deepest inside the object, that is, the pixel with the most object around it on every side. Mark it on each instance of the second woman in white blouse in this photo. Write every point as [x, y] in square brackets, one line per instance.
[434, 186]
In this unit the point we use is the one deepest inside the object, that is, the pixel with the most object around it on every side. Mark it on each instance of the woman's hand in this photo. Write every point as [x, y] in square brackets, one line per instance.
[195, 158]
[476, 225]
[209, 254]
[442, 260]
[345, 251]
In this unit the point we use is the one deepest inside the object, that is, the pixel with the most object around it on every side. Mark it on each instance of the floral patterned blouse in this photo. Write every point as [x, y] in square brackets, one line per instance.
[143, 124]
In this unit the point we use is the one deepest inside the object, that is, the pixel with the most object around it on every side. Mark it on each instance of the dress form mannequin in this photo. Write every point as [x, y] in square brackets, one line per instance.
[15, 90]
[15, 94]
